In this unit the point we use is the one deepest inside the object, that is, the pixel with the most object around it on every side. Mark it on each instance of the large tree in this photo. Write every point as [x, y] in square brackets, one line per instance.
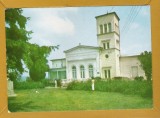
[145, 59]
[16, 38]
[20, 51]
[36, 61]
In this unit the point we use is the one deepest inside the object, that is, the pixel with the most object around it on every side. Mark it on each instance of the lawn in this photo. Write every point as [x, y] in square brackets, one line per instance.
[64, 100]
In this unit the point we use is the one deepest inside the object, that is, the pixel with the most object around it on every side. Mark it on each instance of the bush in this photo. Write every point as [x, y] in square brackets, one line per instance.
[28, 85]
[48, 82]
[59, 82]
[97, 78]
[117, 78]
[140, 88]
[120, 78]
[139, 78]
[79, 85]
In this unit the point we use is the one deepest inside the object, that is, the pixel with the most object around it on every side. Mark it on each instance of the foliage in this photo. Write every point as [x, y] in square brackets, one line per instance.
[36, 61]
[16, 38]
[48, 82]
[97, 78]
[28, 85]
[145, 59]
[20, 51]
[31, 84]
[141, 88]
[139, 78]
[120, 78]
[59, 82]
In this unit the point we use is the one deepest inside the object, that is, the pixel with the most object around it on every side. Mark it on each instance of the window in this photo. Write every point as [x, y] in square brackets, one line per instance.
[101, 29]
[74, 72]
[104, 45]
[82, 71]
[108, 46]
[107, 73]
[91, 71]
[105, 28]
[109, 27]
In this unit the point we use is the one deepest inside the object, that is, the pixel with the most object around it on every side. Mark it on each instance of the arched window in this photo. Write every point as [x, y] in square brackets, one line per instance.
[74, 72]
[101, 29]
[91, 71]
[105, 28]
[109, 27]
[82, 71]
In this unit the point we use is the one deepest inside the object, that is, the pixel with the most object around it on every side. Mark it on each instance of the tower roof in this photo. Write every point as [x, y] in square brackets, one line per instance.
[108, 14]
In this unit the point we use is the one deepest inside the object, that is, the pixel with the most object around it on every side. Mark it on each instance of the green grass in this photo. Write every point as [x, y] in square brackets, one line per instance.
[64, 100]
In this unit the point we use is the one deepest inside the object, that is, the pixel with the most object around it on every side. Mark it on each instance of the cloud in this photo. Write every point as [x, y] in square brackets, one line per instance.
[134, 26]
[47, 23]
[145, 11]
[56, 25]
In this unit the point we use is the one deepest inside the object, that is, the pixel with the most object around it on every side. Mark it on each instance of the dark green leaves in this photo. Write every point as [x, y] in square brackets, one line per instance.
[20, 51]
[145, 59]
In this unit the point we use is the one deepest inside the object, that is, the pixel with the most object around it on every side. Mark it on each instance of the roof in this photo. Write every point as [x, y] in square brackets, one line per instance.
[128, 56]
[58, 59]
[109, 14]
[81, 46]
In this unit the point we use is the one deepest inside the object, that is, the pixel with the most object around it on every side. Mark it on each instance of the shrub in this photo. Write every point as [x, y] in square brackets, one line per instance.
[117, 78]
[79, 85]
[28, 79]
[97, 78]
[139, 78]
[59, 82]
[120, 78]
[28, 85]
[140, 88]
[48, 82]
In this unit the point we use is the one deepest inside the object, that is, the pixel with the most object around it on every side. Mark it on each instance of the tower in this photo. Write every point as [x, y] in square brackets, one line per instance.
[108, 37]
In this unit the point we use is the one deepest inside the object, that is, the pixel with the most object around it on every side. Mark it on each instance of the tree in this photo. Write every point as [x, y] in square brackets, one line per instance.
[16, 38]
[145, 59]
[36, 61]
[20, 51]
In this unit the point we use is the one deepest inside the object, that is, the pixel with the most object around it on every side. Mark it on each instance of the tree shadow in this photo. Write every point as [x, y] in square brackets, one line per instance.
[25, 106]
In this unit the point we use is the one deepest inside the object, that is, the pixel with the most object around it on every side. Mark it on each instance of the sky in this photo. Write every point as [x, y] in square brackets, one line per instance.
[69, 26]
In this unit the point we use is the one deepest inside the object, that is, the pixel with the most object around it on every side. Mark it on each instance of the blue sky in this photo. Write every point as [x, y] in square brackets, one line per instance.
[70, 26]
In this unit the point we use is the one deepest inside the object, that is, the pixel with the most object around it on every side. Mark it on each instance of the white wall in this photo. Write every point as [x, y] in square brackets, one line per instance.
[82, 56]
[58, 63]
[126, 64]
[77, 64]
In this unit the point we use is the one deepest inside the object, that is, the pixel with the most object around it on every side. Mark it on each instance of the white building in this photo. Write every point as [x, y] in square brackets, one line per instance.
[83, 62]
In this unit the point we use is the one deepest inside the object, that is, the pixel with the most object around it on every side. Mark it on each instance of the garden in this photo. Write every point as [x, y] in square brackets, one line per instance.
[108, 94]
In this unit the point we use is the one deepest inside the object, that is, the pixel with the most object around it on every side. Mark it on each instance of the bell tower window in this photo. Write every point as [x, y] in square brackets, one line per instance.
[109, 27]
[101, 29]
[108, 46]
[105, 28]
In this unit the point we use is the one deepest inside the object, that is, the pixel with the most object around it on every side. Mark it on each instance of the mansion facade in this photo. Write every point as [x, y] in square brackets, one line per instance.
[104, 60]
